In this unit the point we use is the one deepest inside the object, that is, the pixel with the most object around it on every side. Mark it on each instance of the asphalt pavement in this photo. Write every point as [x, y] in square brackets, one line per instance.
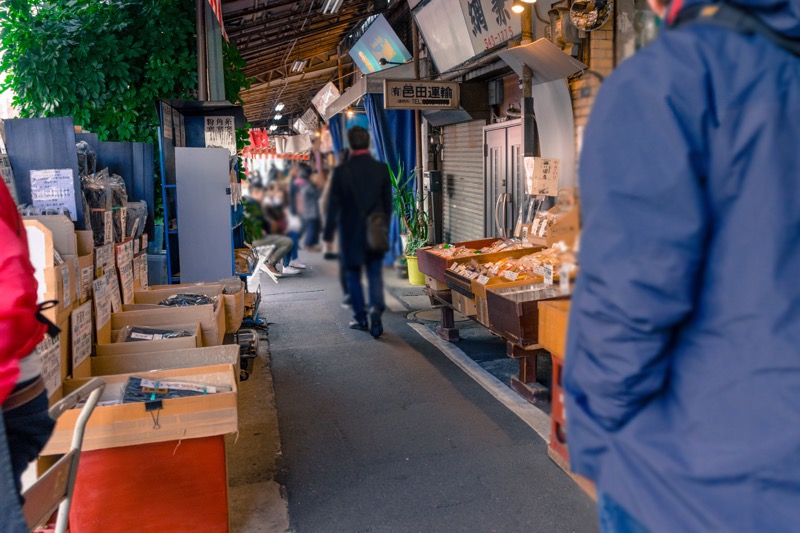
[390, 435]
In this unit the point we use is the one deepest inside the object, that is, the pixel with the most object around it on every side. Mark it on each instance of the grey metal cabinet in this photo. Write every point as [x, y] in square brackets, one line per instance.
[204, 214]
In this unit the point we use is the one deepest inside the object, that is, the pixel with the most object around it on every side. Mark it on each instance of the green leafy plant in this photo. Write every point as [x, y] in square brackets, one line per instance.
[408, 209]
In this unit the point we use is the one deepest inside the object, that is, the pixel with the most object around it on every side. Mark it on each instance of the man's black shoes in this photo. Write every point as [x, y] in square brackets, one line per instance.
[376, 326]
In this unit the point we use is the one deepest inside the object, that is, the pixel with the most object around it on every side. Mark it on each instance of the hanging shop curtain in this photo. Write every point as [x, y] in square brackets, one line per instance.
[337, 134]
[394, 141]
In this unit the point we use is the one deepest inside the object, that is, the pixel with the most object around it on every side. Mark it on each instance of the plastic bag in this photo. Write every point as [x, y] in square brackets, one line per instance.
[143, 333]
[87, 159]
[186, 300]
[106, 192]
[136, 211]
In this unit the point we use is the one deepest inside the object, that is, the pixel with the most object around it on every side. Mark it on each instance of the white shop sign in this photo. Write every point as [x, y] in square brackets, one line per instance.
[415, 94]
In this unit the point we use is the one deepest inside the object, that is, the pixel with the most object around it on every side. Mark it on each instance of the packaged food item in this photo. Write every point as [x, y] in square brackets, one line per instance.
[139, 389]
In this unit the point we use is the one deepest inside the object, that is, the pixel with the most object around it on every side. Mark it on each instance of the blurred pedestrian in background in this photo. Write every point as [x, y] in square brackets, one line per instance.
[359, 187]
[683, 361]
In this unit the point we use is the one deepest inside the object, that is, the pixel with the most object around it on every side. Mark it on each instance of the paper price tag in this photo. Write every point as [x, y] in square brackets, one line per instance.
[49, 351]
[143, 272]
[81, 334]
[113, 287]
[454, 267]
[67, 288]
[510, 275]
[548, 274]
[102, 302]
[126, 282]
[108, 228]
[483, 280]
[87, 277]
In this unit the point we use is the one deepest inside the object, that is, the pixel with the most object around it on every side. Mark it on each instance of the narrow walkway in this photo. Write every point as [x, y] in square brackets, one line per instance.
[390, 435]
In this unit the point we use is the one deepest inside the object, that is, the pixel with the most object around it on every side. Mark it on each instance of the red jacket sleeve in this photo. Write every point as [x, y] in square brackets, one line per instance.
[20, 331]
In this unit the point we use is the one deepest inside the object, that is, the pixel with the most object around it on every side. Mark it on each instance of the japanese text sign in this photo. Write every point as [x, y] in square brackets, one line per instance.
[415, 94]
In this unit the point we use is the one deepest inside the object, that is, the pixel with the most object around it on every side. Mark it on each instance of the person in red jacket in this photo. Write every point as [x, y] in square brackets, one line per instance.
[25, 425]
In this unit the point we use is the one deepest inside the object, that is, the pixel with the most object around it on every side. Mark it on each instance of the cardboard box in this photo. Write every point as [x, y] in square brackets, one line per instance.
[435, 284]
[162, 345]
[464, 305]
[112, 426]
[185, 358]
[46, 236]
[553, 322]
[210, 317]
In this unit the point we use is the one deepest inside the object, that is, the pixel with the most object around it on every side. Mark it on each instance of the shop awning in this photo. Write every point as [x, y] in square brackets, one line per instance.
[371, 83]
[546, 60]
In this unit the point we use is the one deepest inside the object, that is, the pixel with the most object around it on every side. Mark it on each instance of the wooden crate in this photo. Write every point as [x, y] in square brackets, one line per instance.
[514, 312]
[465, 306]
[434, 265]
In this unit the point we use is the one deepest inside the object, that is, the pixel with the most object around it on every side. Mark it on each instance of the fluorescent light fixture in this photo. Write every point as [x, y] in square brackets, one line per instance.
[279, 107]
[278, 116]
[529, 1]
[517, 8]
[299, 65]
[331, 6]
[273, 127]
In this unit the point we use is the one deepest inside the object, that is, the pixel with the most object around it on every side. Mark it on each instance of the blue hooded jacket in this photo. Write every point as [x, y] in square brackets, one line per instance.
[683, 359]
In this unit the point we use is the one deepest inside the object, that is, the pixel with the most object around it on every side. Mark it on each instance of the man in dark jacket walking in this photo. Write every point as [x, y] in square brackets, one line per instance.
[359, 187]
[683, 359]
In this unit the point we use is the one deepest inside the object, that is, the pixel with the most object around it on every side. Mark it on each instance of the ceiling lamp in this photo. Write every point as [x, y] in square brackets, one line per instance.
[278, 116]
[299, 65]
[529, 1]
[517, 7]
[331, 6]
[273, 127]
[279, 107]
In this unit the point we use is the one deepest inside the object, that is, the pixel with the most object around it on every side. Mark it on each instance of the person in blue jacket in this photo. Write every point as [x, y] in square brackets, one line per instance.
[682, 371]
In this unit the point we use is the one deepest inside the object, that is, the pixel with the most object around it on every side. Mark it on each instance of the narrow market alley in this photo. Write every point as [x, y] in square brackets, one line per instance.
[390, 435]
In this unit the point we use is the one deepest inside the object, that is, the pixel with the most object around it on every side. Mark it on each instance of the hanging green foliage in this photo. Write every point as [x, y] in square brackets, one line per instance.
[102, 63]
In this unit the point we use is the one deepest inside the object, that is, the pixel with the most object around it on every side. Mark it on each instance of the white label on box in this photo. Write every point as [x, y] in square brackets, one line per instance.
[104, 259]
[483, 280]
[113, 287]
[81, 334]
[124, 253]
[123, 222]
[126, 282]
[144, 241]
[143, 271]
[54, 189]
[102, 301]
[510, 275]
[78, 282]
[108, 228]
[454, 267]
[67, 289]
[548, 274]
[87, 276]
[49, 351]
[136, 269]
[136, 244]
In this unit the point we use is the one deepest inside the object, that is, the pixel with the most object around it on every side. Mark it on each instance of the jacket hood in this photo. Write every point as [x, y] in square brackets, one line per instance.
[781, 15]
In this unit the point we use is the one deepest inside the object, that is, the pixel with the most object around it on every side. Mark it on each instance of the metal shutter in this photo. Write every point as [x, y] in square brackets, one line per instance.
[463, 191]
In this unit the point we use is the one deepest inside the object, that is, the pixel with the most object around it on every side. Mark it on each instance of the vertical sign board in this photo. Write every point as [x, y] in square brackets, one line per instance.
[416, 94]
[544, 180]
[490, 23]
[49, 351]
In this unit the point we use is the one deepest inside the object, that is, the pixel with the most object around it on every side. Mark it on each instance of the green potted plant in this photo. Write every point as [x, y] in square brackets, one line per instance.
[413, 219]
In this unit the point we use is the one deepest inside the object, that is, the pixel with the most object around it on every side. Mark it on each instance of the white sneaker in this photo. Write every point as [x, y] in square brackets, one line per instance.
[298, 265]
[291, 271]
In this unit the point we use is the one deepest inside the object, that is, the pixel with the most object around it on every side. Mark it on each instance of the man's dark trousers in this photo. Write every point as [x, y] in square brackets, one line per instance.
[377, 305]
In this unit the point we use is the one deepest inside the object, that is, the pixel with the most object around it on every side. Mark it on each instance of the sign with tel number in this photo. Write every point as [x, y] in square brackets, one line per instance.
[416, 94]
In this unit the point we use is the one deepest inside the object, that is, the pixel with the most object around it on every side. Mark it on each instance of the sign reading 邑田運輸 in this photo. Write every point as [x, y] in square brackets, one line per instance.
[416, 94]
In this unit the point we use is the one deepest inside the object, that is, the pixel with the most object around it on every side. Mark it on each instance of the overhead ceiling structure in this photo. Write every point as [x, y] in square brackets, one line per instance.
[290, 47]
